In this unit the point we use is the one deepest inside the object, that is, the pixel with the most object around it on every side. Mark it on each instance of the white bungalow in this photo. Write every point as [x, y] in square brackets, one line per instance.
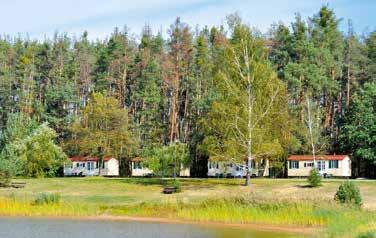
[138, 170]
[328, 165]
[229, 169]
[90, 166]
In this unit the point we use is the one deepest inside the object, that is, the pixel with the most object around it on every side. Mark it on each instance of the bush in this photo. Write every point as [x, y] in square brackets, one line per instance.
[314, 178]
[371, 234]
[174, 183]
[348, 193]
[5, 179]
[47, 198]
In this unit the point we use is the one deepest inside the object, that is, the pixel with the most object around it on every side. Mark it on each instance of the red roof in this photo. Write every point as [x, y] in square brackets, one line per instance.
[87, 158]
[136, 159]
[318, 157]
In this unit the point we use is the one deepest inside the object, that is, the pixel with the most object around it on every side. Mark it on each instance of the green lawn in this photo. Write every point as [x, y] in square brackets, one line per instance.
[267, 201]
[123, 191]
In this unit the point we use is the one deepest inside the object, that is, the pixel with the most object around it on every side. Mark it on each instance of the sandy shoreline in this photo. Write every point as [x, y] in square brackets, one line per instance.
[260, 227]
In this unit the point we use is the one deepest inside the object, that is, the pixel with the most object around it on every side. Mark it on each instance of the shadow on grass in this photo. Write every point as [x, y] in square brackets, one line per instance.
[202, 183]
[306, 186]
[144, 181]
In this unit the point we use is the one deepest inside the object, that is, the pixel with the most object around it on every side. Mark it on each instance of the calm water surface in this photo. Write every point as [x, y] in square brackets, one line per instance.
[62, 228]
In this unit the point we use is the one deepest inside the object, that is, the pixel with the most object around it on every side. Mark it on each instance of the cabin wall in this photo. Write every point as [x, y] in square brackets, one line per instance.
[343, 170]
[223, 168]
[184, 171]
[112, 167]
[89, 168]
[301, 171]
[139, 171]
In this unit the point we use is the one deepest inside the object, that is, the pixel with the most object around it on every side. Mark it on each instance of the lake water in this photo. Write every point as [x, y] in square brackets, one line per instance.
[64, 228]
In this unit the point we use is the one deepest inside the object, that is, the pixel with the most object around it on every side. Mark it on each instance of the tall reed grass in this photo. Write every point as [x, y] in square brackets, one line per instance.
[333, 219]
[12, 207]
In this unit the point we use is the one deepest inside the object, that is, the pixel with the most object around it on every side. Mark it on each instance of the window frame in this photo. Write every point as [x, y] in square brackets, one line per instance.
[333, 164]
[293, 164]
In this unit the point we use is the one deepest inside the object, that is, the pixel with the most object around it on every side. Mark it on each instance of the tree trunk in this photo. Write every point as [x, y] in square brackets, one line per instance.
[248, 175]
[348, 87]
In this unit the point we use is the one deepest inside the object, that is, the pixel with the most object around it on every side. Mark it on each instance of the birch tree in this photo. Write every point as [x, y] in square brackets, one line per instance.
[249, 121]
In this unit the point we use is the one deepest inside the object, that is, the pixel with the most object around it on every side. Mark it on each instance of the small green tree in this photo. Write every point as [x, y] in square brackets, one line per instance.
[44, 157]
[348, 193]
[165, 160]
[314, 178]
[29, 149]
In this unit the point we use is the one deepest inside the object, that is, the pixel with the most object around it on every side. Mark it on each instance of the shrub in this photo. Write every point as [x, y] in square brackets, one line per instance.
[314, 178]
[47, 198]
[5, 179]
[371, 234]
[348, 193]
[174, 183]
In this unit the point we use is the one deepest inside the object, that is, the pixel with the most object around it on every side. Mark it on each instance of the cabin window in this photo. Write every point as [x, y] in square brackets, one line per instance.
[83, 165]
[90, 165]
[217, 165]
[103, 164]
[294, 164]
[333, 164]
[136, 165]
[308, 164]
[77, 165]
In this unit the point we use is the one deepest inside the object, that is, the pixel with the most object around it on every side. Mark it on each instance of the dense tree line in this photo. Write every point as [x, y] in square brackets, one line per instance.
[199, 90]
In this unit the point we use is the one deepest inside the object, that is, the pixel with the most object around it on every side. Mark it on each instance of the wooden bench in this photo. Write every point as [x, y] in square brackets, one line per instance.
[18, 184]
[169, 190]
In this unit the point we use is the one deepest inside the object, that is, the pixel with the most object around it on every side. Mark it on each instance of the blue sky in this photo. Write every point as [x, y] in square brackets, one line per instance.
[40, 18]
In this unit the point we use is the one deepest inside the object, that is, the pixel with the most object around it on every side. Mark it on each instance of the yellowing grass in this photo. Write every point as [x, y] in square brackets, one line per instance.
[9, 207]
[335, 220]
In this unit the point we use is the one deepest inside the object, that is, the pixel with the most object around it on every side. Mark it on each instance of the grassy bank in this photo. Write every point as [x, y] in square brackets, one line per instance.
[267, 202]
[330, 219]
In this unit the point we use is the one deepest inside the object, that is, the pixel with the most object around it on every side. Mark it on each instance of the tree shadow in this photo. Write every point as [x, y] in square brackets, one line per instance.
[304, 186]
[186, 182]
[144, 181]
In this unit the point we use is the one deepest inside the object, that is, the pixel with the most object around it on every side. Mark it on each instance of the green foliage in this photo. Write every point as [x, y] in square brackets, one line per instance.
[250, 118]
[359, 130]
[47, 198]
[370, 234]
[314, 178]
[102, 130]
[348, 193]
[161, 159]
[44, 157]
[29, 149]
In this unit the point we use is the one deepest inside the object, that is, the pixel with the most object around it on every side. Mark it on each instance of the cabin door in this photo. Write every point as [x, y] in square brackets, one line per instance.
[321, 165]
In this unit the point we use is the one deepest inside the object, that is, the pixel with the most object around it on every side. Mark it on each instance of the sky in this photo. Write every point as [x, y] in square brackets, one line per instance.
[39, 19]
